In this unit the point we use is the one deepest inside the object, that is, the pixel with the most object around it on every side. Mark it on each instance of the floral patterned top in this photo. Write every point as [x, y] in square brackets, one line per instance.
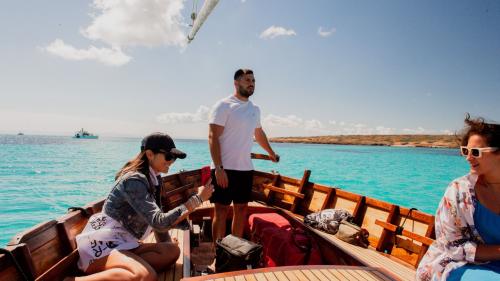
[456, 236]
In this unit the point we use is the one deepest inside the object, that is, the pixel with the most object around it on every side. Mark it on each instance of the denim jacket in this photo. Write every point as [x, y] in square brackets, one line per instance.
[132, 203]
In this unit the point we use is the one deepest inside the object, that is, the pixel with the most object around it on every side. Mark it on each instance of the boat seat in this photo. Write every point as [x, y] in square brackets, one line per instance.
[370, 257]
[366, 256]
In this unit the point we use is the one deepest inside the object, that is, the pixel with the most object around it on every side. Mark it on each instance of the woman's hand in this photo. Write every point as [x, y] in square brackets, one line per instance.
[205, 191]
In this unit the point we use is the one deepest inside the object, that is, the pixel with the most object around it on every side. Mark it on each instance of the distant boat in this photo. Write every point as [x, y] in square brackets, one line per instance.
[82, 134]
[20, 134]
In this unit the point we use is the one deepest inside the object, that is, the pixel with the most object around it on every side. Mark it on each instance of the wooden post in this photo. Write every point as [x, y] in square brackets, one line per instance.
[386, 240]
[303, 183]
[270, 195]
[423, 250]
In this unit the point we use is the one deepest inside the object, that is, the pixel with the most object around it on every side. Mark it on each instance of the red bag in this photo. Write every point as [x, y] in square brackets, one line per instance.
[283, 245]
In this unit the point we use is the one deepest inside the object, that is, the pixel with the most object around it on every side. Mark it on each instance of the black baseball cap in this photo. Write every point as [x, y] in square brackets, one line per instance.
[160, 142]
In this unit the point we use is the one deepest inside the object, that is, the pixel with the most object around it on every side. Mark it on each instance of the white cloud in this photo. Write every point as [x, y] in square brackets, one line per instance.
[295, 125]
[314, 125]
[108, 56]
[326, 33]
[201, 115]
[275, 31]
[121, 24]
[138, 23]
[418, 130]
[290, 121]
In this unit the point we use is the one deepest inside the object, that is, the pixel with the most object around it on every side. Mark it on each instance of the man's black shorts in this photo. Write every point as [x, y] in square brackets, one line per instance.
[239, 189]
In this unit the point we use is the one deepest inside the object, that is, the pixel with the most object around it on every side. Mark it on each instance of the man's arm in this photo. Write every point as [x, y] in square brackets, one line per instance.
[215, 131]
[261, 138]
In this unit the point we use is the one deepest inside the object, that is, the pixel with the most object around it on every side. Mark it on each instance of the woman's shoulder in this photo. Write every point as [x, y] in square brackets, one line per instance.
[135, 175]
[461, 186]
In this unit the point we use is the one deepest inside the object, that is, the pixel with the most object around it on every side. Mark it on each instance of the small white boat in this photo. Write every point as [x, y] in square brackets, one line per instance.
[82, 134]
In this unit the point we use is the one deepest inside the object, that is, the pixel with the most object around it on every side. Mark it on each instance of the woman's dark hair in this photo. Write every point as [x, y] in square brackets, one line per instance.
[139, 163]
[489, 131]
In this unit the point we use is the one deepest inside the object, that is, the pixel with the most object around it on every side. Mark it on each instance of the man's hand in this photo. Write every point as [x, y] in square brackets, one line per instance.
[221, 177]
[274, 157]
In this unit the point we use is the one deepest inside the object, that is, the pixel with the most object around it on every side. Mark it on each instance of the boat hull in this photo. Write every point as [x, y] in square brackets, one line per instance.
[48, 250]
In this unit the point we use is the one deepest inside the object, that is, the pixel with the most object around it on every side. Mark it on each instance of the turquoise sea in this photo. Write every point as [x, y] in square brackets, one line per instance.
[41, 176]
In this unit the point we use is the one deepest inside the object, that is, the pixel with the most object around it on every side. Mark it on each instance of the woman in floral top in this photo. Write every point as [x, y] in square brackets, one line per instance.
[467, 245]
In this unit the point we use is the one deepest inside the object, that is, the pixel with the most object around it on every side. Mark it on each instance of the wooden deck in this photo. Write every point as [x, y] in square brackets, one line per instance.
[301, 273]
[177, 270]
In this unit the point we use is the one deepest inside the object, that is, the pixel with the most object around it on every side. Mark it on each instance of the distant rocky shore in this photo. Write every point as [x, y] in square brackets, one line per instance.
[443, 141]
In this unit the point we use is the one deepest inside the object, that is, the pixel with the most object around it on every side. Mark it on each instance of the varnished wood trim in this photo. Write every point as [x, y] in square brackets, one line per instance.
[284, 191]
[417, 216]
[386, 239]
[23, 256]
[290, 269]
[303, 183]
[276, 182]
[379, 204]
[32, 232]
[330, 194]
[430, 233]
[391, 227]
[359, 210]
[178, 190]
[321, 187]
[61, 268]
[348, 195]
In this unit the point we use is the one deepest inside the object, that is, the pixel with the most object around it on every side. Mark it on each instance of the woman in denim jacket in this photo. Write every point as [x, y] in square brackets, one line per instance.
[110, 246]
[467, 245]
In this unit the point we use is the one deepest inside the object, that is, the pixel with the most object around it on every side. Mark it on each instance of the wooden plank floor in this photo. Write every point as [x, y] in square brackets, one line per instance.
[175, 272]
[300, 273]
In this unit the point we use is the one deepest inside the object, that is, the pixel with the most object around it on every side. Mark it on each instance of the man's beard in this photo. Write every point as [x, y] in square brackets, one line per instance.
[244, 92]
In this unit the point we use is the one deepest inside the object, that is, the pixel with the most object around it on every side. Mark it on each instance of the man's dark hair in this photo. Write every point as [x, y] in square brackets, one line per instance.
[242, 71]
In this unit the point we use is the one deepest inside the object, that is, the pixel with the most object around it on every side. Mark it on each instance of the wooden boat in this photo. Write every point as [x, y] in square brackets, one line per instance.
[48, 250]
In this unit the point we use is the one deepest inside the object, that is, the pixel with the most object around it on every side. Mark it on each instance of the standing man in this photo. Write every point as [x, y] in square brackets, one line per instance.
[233, 123]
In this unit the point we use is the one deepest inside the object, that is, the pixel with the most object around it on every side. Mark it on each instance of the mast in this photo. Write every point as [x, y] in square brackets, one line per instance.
[205, 11]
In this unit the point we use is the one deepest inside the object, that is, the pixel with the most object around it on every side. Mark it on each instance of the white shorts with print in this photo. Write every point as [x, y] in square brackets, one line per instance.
[101, 235]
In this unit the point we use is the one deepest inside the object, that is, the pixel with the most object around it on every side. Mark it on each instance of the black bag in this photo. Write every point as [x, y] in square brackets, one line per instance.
[234, 253]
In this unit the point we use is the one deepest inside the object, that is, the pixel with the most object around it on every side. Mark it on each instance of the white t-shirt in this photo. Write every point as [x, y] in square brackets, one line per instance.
[239, 119]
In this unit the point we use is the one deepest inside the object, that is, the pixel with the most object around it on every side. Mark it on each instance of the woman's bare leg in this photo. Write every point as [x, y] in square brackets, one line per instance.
[159, 255]
[119, 266]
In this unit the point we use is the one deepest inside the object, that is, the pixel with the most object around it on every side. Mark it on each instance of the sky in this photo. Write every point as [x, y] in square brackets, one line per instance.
[325, 67]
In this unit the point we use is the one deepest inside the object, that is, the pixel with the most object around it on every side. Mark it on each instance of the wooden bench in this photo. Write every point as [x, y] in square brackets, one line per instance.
[362, 256]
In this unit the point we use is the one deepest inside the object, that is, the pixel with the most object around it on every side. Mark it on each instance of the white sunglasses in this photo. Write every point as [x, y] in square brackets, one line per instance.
[476, 152]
